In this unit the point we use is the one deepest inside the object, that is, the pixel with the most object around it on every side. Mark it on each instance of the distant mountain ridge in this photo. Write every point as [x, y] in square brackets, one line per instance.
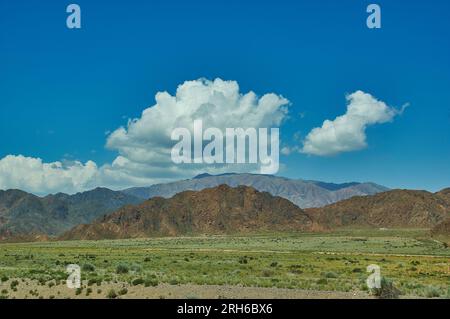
[25, 215]
[303, 193]
[396, 209]
[217, 210]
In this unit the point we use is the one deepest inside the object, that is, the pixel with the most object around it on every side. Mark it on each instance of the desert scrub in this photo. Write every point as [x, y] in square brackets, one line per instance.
[432, 292]
[122, 269]
[387, 290]
[14, 284]
[137, 281]
[111, 294]
[123, 291]
[88, 268]
[330, 275]
[153, 282]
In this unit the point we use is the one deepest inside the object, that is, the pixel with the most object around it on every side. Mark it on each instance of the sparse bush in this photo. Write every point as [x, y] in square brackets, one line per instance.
[267, 273]
[387, 290]
[137, 281]
[322, 281]
[136, 268]
[111, 294]
[92, 281]
[151, 282]
[14, 284]
[123, 291]
[122, 269]
[432, 292]
[174, 281]
[331, 274]
[88, 268]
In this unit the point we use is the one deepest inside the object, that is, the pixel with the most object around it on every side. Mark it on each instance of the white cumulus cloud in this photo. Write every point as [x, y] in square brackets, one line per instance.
[348, 132]
[144, 144]
[32, 175]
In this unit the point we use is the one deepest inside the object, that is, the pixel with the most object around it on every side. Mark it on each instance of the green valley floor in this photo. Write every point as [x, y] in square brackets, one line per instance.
[313, 265]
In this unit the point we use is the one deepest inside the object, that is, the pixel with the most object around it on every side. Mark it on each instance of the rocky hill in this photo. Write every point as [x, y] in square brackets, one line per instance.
[218, 210]
[443, 228]
[23, 215]
[396, 208]
[303, 193]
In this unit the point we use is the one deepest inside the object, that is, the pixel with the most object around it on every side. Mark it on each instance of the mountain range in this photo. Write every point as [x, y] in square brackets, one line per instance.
[183, 207]
[395, 208]
[25, 215]
[302, 193]
[218, 210]
[226, 210]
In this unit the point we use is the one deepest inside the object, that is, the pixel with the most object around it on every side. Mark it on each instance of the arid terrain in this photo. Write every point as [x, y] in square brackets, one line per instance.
[295, 265]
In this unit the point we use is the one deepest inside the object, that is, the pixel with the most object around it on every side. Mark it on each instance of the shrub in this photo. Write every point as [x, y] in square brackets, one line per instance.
[267, 273]
[137, 281]
[122, 269]
[136, 268]
[123, 291]
[4, 278]
[387, 290]
[151, 282]
[14, 284]
[174, 281]
[88, 268]
[322, 281]
[432, 292]
[111, 294]
[331, 274]
[92, 281]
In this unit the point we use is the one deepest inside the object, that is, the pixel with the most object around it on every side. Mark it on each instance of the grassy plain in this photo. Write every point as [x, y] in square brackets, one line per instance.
[335, 262]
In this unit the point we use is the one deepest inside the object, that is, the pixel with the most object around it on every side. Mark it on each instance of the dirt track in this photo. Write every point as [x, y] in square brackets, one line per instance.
[187, 291]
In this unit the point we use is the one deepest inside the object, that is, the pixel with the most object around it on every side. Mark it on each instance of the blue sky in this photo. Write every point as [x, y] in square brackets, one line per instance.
[61, 90]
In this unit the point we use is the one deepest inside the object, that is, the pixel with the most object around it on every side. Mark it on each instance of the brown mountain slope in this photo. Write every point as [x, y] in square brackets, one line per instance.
[24, 216]
[396, 208]
[442, 228]
[217, 210]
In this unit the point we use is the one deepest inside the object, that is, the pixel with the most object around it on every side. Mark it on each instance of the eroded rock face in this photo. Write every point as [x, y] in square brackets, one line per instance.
[396, 208]
[218, 210]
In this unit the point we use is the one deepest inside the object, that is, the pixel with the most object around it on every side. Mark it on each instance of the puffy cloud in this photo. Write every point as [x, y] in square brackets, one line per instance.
[32, 175]
[348, 132]
[144, 144]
